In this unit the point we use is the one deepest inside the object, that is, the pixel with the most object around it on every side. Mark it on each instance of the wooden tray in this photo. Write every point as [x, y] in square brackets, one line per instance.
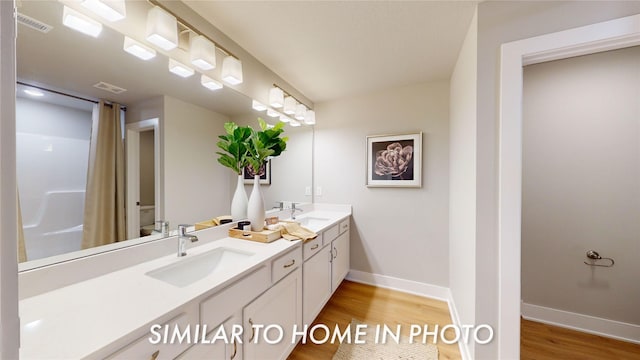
[264, 236]
[205, 224]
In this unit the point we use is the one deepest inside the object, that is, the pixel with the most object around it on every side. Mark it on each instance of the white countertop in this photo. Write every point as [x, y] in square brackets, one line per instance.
[75, 321]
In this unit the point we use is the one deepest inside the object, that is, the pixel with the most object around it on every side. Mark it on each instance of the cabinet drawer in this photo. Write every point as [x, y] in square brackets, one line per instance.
[311, 247]
[330, 234]
[144, 349]
[216, 308]
[344, 225]
[286, 264]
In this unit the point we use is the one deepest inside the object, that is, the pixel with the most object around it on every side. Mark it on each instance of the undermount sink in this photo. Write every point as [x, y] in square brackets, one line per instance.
[190, 269]
[312, 222]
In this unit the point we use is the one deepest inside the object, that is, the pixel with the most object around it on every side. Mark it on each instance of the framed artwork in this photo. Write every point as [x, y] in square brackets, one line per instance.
[265, 170]
[394, 160]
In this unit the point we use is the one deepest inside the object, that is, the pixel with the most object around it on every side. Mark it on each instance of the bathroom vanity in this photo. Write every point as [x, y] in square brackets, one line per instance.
[250, 290]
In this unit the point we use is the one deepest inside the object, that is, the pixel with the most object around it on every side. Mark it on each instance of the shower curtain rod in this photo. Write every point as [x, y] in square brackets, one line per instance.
[107, 103]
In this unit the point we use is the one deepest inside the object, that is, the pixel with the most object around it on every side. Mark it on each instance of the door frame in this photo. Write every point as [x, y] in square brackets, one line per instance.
[594, 38]
[132, 148]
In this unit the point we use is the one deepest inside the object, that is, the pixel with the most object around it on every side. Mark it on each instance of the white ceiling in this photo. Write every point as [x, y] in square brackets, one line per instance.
[333, 49]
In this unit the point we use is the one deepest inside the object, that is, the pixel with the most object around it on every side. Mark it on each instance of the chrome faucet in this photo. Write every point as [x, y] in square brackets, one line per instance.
[280, 205]
[293, 210]
[182, 240]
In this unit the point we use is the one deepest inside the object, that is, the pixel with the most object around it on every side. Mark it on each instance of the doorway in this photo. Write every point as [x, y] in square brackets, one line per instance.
[589, 39]
[144, 203]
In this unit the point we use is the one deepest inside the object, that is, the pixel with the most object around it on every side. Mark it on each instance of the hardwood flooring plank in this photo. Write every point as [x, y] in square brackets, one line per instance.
[547, 342]
[373, 305]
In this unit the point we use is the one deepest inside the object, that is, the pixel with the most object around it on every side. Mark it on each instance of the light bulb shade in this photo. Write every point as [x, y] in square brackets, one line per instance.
[276, 97]
[289, 105]
[258, 106]
[210, 83]
[137, 49]
[294, 123]
[80, 22]
[231, 70]
[285, 118]
[112, 10]
[300, 111]
[180, 69]
[162, 29]
[272, 113]
[202, 53]
[310, 117]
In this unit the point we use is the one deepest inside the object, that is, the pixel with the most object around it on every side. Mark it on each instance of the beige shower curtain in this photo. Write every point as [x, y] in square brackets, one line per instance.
[104, 208]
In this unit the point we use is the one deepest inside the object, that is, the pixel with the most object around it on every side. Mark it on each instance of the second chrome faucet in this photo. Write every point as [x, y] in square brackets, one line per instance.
[182, 239]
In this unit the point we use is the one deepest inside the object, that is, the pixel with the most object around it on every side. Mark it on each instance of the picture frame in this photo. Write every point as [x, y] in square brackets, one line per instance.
[265, 178]
[394, 160]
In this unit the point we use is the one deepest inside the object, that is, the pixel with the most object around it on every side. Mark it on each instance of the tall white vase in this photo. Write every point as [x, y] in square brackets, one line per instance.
[255, 208]
[239, 201]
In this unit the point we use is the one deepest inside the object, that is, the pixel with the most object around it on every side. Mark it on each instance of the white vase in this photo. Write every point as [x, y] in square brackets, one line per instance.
[239, 201]
[255, 208]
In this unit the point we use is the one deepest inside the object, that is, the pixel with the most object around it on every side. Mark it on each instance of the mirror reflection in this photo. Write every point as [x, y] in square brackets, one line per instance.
[166, 171]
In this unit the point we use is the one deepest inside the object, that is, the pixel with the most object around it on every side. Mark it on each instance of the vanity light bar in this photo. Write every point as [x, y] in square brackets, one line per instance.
[137, 49]
[80, 22]
[285, 118]
[301, 110]
[210, 83]
[112, 10]
[276, 97]
[289, 105]
[310, 117]
[294, 123]
[180, 69]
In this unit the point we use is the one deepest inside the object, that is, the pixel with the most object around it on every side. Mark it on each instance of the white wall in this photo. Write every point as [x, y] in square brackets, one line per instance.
[196, 186]
[397, 232]
[581, 170]
[462, 178]
[498, 23]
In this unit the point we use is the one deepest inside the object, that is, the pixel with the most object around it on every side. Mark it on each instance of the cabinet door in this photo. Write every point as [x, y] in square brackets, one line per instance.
[220, 350]
[280, 307]
[316, 284]
[340, 260]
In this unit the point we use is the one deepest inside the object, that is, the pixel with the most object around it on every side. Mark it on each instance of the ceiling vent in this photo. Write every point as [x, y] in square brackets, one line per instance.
[109, 87]
[33, 23]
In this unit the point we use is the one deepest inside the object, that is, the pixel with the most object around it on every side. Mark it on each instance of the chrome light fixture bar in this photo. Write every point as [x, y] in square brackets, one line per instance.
[80, 22]
[292, 106]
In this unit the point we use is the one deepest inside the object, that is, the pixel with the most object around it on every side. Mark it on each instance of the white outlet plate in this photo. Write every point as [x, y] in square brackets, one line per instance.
[307, 191]
[319, 191]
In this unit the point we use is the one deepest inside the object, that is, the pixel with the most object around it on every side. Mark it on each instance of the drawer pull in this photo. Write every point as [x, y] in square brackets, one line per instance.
[315, 246]
[253, 330]
[336, 255]
[235, 350]
[290, 265]
[154, 356]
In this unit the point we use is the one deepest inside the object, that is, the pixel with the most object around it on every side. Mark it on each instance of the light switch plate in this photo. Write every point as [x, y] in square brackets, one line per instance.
[307, 191]
[319, 191]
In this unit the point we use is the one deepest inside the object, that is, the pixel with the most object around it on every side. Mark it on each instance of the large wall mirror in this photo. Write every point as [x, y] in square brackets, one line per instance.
[170, 130]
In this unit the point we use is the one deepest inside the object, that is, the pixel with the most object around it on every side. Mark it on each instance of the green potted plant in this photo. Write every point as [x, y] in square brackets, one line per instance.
[263, 144]
[233, 154]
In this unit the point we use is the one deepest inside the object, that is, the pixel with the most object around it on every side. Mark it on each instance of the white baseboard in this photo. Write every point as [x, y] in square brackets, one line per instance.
[585, 323]
[455, 318]
[393, 283]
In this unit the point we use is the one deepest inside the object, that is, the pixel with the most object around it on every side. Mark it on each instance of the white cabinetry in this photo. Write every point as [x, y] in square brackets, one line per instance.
[278, 309]
[224, 349]
[316, 283]
[339, 260]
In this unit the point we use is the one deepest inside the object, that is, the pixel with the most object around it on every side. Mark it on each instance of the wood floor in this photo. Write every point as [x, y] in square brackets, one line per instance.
[545, 342]
[372, 305]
